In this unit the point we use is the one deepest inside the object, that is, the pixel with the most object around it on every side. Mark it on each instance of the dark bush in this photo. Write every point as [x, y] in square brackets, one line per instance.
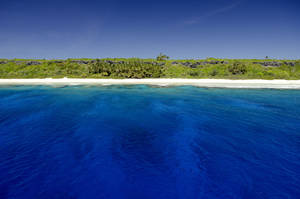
[194, 73]
[131, 69]
[237, 68]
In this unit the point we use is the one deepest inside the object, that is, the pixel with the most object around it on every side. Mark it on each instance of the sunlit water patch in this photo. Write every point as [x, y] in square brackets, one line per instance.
[149, 142]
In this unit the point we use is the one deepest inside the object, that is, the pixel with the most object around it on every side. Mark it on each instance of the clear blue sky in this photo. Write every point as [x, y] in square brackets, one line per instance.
[144, 28]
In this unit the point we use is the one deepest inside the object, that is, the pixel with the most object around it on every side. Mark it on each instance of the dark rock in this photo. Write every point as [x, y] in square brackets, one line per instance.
[194, 65]
[269, 63]
[201, 63]
[186, 64]
[161, 64]
[274, 63]
[109, 61]
[290, 63]
[213, 62]
[29, 63]
[79, 61]
[224, 62]
[18, 62]
[56, 62]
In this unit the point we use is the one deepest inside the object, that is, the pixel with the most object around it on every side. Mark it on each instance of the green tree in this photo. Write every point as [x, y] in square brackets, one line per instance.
[162, 57]
[237, 68]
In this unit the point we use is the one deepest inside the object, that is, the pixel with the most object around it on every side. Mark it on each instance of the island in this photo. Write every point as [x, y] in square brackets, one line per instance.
[211, 72]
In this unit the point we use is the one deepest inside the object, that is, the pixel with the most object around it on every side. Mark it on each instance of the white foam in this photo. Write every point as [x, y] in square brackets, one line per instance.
[222, 83]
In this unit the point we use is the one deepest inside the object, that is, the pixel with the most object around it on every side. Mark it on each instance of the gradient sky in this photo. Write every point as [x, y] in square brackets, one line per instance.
[144, 28]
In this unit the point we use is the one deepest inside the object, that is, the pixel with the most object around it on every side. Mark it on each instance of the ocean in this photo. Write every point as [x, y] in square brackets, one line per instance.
[143, 142]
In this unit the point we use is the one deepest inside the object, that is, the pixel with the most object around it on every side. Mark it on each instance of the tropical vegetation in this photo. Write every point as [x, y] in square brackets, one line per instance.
[151, 68]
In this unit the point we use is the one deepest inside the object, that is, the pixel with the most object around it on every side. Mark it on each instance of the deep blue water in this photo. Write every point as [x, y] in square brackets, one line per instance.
[148, 142]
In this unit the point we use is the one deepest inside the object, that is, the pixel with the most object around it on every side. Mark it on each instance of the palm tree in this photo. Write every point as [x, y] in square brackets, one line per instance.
[162, 57]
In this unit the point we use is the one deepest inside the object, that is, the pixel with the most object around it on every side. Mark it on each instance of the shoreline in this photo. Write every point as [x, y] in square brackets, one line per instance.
[212, 83]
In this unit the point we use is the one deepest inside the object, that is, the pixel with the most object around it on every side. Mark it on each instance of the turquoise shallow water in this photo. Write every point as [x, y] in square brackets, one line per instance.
[149, 142]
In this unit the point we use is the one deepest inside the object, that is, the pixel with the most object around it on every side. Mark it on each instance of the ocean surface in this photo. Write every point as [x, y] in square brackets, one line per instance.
[142, 142]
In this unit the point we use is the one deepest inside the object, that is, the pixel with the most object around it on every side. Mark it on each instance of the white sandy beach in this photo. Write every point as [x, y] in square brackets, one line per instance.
[221, 83]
